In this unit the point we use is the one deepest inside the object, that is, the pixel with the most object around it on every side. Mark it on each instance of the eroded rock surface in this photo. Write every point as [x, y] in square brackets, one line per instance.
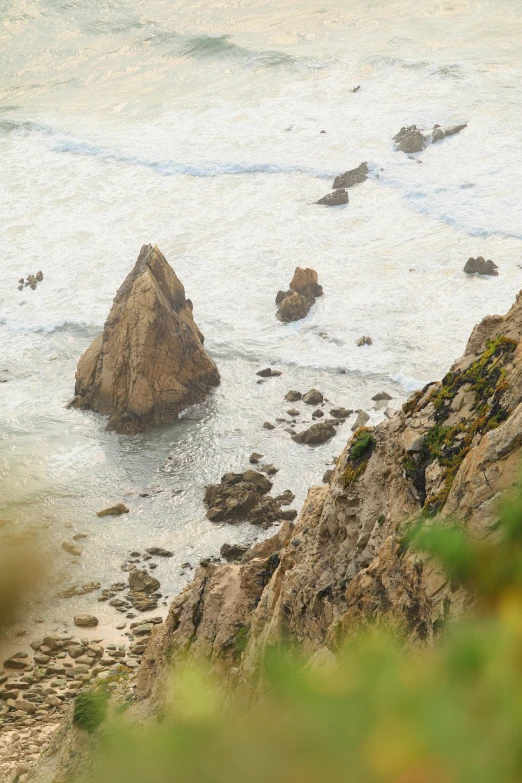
[413, 139]
[149, 363]
[352, 177]
[244, 496]
[454, 450]
[334, 199]
[480, 266]
[295, 303]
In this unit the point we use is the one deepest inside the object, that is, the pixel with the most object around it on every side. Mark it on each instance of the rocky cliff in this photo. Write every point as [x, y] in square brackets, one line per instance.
[452, 451]
[149, 363]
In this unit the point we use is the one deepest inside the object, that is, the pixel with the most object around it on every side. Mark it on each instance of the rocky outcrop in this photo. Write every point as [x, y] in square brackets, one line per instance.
[352, 177]
[317, 433]
[244, 496]
[453, 450]
[334, 199]
[413, 139]
[295, 303]
[479, 266]
[149, 363]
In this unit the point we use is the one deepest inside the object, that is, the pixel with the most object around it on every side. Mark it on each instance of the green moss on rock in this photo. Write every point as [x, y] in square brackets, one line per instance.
[361, 449]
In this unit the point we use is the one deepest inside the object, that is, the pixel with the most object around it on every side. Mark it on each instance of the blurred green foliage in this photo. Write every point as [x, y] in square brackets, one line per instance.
[90, 709]
[384, 713]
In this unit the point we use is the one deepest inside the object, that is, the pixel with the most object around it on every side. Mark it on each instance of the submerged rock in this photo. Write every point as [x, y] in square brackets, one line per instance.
[295, 303]
[149, 363]
[364, 340]
[479, 266]
[352, 177]
[335, 199]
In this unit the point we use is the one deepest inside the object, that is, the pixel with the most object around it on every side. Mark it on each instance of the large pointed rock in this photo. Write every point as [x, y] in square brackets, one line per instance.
[149, 363]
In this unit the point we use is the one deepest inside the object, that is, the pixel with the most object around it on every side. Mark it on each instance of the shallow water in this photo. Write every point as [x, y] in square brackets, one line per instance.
[196, 126]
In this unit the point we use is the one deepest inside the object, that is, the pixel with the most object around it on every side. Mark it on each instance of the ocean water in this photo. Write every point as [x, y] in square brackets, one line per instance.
[197, 126]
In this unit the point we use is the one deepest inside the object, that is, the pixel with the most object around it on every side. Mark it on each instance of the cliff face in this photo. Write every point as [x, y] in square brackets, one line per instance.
[453, 450]
[149, 363]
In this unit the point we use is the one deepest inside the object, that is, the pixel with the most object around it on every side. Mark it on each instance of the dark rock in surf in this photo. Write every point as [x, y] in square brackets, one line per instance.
[352, 177]
[413, 139]
[479, 266]
[317, 433]
[295, 303]
[244, 496]
[335, 199]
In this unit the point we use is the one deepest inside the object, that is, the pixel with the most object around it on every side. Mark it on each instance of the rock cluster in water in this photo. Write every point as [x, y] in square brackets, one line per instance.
[31, 281]
[149, 363]
[479, 266]
[295, 303]
[413, 139]
[244, 496]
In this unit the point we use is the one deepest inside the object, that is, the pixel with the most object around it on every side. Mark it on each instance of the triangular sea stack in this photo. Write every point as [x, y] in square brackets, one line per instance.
[149, 363]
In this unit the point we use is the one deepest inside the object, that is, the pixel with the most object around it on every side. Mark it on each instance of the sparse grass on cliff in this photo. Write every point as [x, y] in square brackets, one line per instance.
[385, 714]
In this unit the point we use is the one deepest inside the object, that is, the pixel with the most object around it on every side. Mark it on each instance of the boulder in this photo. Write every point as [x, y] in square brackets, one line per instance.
[479, 266]
[244, 496]
[149, 363]
[340, 413]
[293, 307]
[86, 620]
[317, 433]
[71, 549]
[364, 340]
[360, 421]
[255, 457]
[306, 282]
[381, 396]
[352, 177]
[269, 373]
[313, 397]
[293, 395]
[113, 511]
[233, 552]
[158, 551]
[335, 199]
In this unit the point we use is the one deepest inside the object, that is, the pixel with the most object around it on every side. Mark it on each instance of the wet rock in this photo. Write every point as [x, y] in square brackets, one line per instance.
[293, 412]
[255, 457]
[480, 266]
[159, 551]
[318, 414]
[85, 620]
[149, 364]
[15, 663]
[335, 199]
[293, 396]
[113, 511]
[142, 582]
[269, 373]
[413, 139]
[39, 276]
[232, 552]
[364, 340]
[340, 413]
[268, 426]
[285, 498]
[352, 177]
[327, 476]
[269, 469]
[313, 397]
[317, 433]
[243, 496]
[360, 421]
[381, 396]
[87, 587]
[295, 303]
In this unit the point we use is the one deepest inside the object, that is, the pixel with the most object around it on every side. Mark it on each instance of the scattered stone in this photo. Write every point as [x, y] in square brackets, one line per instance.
[87, 587]
[293, 412]
[318, 414]
[352, 177]
[313, 397]
[233, 552]
[335, 199]
[159, 551]
[149, 363]
[15, 663]
[364, 340]
[268, 426]
[360, 421]
[381, 396]
[39, 276]
[113, 511]
[85, 620]
[327, 476]
[317, 433]
[341, 413]
[270, 470]
[479, 266]
[293, 396]
[269, 373]
[255, 457]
